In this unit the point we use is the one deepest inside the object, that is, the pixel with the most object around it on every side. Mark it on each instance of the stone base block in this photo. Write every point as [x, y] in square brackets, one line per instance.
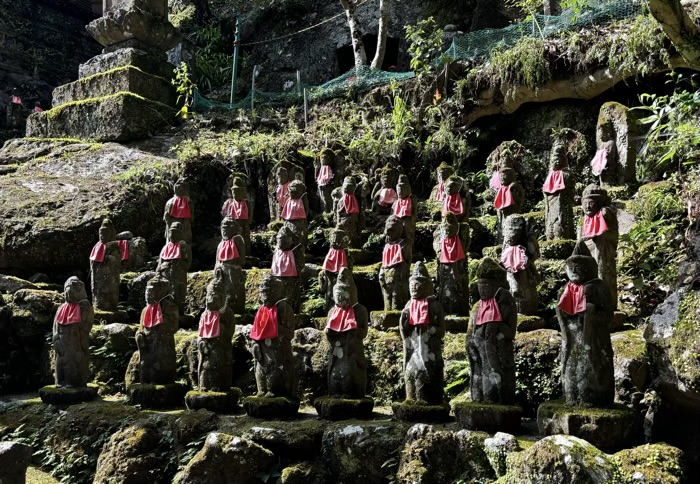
[110, 317]
[219, 402]
[385, 320]
[488, 417]
[271, 407]
[126, 57]
[360, 256]
[618, 322]
[331, 408]
[67, 396]
[119, 117]
[557, 249]
[456, 324]
[15, 457]
[412, 411]
[609, 429]
[529, 323]
[157, 396]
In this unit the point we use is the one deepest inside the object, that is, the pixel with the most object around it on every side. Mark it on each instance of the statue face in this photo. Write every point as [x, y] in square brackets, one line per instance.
[215, 297]
[182, 189]
[384, 180]
[296, 190]
[507, 177]
[267, 293]
[107, 234]
[444, 173]
[155, 292]
[393, 230]
[174, 233]
[341, 297]
[282, 176]
[590, 206]
[349, 186]
[487, 288]
[284, 241]
[403, 190]
[514, 230]
[558, 159]
[230, 229]
[239, 192]
[326, 158]
[453, 187]
[448, 229]
[606, 132]
[338, 241]
[418, 288]
[580, 273]
[74, 291]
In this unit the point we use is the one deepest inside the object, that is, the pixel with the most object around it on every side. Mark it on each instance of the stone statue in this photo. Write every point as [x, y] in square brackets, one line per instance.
[105, 265]
[281, 191]
[509, 198]
[559, 189]
[335, 260]
[349, 215]
[287, 264]
[444, 171]
[490, 338]
[422, 327]
[384, 193]
[71, 336]
[271, 339]
[296, 209]
[453, 201]
[600, 228]
[585, 311]
[406, 208]
[134, 251]
[616, 155]
[396, 262]
[520, 250]
[174, 262]
[278, 181]
[238, 208]
[179, 209]
[326, 179]
[451, 243]
[230, 257]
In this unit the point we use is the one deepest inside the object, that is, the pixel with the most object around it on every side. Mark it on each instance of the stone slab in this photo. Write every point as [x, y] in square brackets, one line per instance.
[412, 411]
[385, 320]
[529, 323]
[126, 57]
[331, 408]
[14, 460]
[456, 324]
[67, 396]
[218, 402]
[557, 249]
[488, 417]
[120, 25]
[280, 408]
[157, 396]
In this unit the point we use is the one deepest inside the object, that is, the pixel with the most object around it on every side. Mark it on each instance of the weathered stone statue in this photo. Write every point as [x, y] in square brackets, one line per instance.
[287, 265]
[271, 340]
[559, 189]
[520, 250]
[238, 208]
[585, 311]
[230, 257]
[616, 155]
[346, 329]
[179, 209]
[278, 181]
[509, 198]
[453, 201]
[326, 179]
[451, 243]
[444, 171]
[422, 327]
[174, 262]
[600, 229]
[71, 344]
[396, 262]
[406, 208]
[335, 260]
[281, 191]
[105, 265]
[384, 194]
[349, 213]
[134, 251]
[296, 208]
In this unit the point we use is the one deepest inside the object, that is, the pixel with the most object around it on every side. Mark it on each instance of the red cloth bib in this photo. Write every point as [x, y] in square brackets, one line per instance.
[451, 250]
[554, 182]
[325, 175]
[495, 181]
[594, 225]
[440, 191]
[336, 259]
[124, 248]
[16, 100]
[180, 207]
[573, 299]
[341, 319]
[282, 193]
[265, 324]
[283, 263]
[227, 250]
[514, 258]
[503, 198]
[418, 314]
[171, 251]
[236, 209]
[488, 312]
[387, 197]
[68, 313]
[599, 162]
[98, 252]
[37, 109]
[452, 203]
[402, 207]
[350, 203]
[152, 316]
[294, 209]
[210, 324]
[392, 255]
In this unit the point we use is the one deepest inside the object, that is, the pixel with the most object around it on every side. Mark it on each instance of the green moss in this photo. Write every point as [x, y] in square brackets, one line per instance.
[684, 348]
[658, 463]
[559, 407]
[657, 200]
[254, 277]
[529, 323]
[370, 269]
[630, 345]
[493, 252]
[53, 113]
[537, 368]
[556, 249]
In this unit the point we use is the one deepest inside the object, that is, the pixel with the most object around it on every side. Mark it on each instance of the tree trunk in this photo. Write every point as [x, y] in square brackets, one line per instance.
[679, 27]
[358, 46]
[381, 34]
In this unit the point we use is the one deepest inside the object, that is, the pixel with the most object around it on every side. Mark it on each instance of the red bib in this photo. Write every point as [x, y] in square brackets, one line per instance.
[402, 207]
[98, 252]
[418, 312]
[294, 209]
[124, 248]
[171, 251]
[350, 203]
[387, 197]
[392, 255]
[341, 319]
[68, 313]
[599, 162]
[336, 259]
[227, 250]
[210, 324]
[503, 198]
[573, 299]
[451, 250]
[554, 182]
[265, 324]
[283, 263]
[152, 315]
[594, 225]
[488, 312]
[236, 209]
[180, 207]
[495, 181]
[440, 191]
[325, 175]
[282, 193]
[453, 203]
[514, 258]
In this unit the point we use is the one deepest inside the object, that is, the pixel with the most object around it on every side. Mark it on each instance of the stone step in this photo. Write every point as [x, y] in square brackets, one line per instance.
[126, 57]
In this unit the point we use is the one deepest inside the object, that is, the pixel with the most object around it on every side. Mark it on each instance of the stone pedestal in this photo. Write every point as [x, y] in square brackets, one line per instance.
[15, 457]
[609, 429]
[157, 396]
[412, 411]
[360, 256]
[529, 323]
[218, 402]
[385, 320]
[456, 324]
[331, 408]
[110, 317]
[281, 408]
[488, 417]
[67, 396]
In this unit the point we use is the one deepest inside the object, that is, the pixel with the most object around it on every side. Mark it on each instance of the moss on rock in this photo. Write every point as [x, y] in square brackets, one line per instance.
[556, 249]
[537, 368]
[652, 464]
[657, 200]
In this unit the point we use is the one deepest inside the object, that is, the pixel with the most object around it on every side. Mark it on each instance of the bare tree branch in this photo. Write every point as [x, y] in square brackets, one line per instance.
[358, 46]
[384, 8]
[679, 27]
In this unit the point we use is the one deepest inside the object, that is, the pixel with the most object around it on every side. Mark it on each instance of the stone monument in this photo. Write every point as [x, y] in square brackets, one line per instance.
[326, 179]
[453, 201]
[616, 155]
[287, 265]
[559, 189]
[384, 192]
[230, 257]
[396, 262]
[520, 251]
[281, 192]
[174, 262]
[179, 209]
[105, 266]
[335, 260]
[451, 242]
[296, 209]
[406, 208]
[349, 215]
[444, 171]
[237, 208]
[509, 198]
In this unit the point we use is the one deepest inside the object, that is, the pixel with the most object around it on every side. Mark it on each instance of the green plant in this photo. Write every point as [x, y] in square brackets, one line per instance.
[425, 45]
[184, 88]
[214, 65]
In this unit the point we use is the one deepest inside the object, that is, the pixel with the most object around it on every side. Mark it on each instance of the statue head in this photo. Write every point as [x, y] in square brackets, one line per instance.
[403, 187]
[349, 185]
[606, 131]
[453, 185]
[339, 239]
[327, 156]
[420, 284]
[239, 189]
[581, 267]
[285, 238]
[388, 176]
[157, 289]
[175, 232]
[393, 229]
[296, 189]
[182, 187]
[74, 290]
[344, 291]
[558, 158]
[282, 175]
[491, 277]
[449, 227]
[107, 231]
[507, 175]
[593, 199]
[230, 228]
[515, 230]
[216, 291]
[444, 171]
[270, 290]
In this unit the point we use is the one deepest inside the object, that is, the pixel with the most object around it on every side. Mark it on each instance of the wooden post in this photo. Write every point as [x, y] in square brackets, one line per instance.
[306, 109]
[299, 92]
[447, 77]
[252, 89]
[234, 74]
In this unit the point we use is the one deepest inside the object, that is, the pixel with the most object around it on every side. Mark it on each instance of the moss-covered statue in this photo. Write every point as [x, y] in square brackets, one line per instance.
[174, 262]
[406, 208]
[384, 192]
[179, 209]
[601, 229]
[349, 215]
[453, 200]
[346, 329]
[422, 328]
[271, 341]
[71, 344]
[585, 311]
[451, 242]
[520, 251]
[335, 260]
[444, 171]
[296, 208]
[238, 208]
[281, 192]
[616, 154]
[559, 189]
[105, 265]
[230, 257]
[326, 179]
[396, 263]
[287, 264]
[509, 198]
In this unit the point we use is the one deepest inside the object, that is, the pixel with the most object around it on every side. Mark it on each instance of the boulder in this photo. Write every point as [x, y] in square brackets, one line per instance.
[652, 464]
[303, 473]
[537, 368]
[631, 364]
[11, 284]
[498, 448]
[33, 311]
[14, 460]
